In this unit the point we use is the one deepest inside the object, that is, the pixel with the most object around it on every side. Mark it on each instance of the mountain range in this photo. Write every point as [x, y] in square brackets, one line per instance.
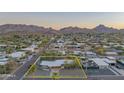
[33, 28]
[22, 28]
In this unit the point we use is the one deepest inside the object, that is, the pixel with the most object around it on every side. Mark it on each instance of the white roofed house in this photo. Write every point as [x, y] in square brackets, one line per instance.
[3, 45]
[109, 61]
[100, 62]
[30, 48]
[63, 52]
[111, 53]
[3, 59]
[54, 65]
[56, 46]
[90, 54]
[17, 55]
[77, 52]
[60, 41]
[105, 46]
[113, 59]
[80, 44]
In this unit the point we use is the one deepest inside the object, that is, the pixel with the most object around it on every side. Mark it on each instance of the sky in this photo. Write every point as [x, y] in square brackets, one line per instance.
[59, 20]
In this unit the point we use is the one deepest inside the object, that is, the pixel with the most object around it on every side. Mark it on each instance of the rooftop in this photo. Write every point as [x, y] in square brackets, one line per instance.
[99, 61]
[55, 63]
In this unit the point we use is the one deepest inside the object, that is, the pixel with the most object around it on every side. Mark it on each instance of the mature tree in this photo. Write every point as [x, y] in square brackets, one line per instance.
[100, 50]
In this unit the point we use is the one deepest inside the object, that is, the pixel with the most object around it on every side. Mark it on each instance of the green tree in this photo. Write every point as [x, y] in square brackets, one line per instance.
[100, 50]
[32, 69]
[55, 75]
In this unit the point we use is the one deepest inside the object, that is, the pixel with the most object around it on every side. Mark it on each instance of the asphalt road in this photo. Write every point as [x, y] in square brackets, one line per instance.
[107, 77]
[19, 73]
[22, 70]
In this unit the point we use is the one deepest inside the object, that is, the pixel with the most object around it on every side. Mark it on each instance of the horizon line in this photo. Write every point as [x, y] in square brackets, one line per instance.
[61, 27]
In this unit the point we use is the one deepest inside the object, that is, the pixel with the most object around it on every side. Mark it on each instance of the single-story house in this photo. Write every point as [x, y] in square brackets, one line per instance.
[77, 52]
[18, 54]
[3, 45]
[100, 62]
[60, 41]
[111, 53]
[90, 65]
[62, 51]
[30, 48]
[54, 63]
[110, 60]
[90, 54]
[3, 59]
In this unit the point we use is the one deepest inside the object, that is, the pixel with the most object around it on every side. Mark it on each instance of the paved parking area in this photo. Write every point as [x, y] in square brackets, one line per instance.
[71, 72]
[99, 72]
[106, 77]
[40, 72]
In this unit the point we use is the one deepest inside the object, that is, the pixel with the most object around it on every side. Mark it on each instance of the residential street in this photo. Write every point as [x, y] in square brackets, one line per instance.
[19, 73]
